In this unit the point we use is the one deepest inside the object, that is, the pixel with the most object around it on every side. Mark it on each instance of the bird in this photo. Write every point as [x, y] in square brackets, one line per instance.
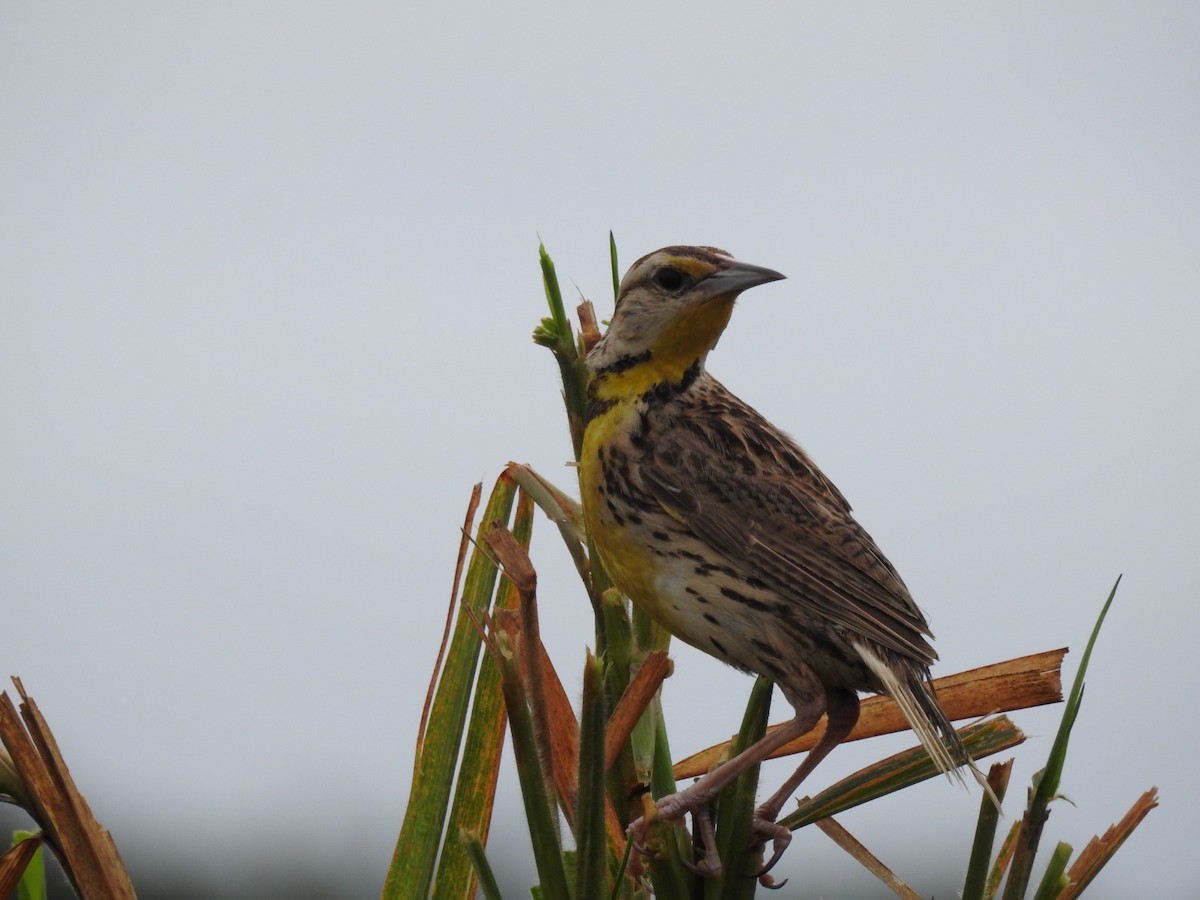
[723, 530]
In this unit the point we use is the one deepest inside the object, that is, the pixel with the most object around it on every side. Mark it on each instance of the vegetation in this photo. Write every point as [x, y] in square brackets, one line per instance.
[586, 774]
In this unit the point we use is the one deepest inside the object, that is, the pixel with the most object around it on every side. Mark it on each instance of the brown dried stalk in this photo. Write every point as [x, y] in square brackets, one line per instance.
[869, 860]
[85, 849]
[1019, 683]
[1099, 850]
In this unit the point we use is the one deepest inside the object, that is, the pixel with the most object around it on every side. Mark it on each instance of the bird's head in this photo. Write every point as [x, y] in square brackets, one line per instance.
[673, 305]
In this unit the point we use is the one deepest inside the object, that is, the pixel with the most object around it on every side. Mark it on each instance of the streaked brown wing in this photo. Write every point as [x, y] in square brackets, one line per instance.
[795, 536]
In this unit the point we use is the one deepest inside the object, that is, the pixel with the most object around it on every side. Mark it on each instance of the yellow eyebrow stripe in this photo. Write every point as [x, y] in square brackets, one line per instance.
[697, 268]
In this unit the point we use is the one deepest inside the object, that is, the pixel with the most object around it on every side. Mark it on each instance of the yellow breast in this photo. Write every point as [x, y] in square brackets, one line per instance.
[629, 563]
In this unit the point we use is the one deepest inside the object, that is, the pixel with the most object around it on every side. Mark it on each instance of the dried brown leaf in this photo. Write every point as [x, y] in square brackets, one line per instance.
[1019, 683]
[633, 703]
[1099, 850]
[870, 862]
[589, 331]
[85, 850]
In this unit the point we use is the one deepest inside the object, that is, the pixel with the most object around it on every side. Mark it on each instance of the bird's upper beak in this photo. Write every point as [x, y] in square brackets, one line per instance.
[738, 277]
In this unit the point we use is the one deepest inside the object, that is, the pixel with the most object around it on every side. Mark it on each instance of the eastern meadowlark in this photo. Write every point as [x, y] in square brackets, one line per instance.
[723, 530]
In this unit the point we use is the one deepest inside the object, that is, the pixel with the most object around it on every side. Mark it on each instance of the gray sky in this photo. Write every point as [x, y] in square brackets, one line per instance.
[268, 275]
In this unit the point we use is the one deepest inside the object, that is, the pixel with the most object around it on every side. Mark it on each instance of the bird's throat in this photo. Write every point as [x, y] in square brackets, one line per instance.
[691, 335]
[673, 360]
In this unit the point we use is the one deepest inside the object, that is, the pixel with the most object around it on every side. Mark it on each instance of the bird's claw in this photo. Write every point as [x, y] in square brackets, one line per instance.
[780, 836]
[672, 809]
[710, 865]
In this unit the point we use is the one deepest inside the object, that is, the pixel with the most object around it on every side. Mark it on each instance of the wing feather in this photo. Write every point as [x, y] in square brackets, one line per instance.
[784, 524]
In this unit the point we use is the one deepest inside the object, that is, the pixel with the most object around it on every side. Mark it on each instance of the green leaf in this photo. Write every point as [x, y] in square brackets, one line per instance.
[900, 771]
[32, 884]
[1048, 786]
[1047, 781]
[411, 871]
[476, 784]
[616, 273]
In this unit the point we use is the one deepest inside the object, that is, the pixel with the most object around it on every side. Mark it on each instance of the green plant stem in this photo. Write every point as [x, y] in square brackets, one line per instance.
[556, 333]
[667, 871]
[975, 882]
[735, 806]
[619, 662]
[620, 885]
[1055, 878]
[488, 886]
[590, 837]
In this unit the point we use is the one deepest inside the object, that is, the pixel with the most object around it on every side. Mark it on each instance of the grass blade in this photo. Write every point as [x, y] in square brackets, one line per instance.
[1047, 782]
[33, 759]
[612, 256]
[1003, 858]
[1047, 787]
[633, 702]
[900, 771]
[412, 868]
[475, 787]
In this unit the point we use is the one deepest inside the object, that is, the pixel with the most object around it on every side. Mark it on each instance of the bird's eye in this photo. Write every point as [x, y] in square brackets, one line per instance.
[669, 278]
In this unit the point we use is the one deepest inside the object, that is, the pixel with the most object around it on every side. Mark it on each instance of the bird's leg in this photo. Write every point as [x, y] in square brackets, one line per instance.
[842, 712]
[704, 791]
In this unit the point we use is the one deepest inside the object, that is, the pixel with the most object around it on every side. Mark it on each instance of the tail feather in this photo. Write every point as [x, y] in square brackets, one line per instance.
[927, 719]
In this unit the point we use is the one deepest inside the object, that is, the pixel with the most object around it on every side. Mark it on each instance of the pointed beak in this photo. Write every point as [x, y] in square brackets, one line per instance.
[738, 277]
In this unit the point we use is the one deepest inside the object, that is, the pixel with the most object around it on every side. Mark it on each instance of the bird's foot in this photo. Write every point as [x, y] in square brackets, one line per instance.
[673, 808]
[710, 865]
[767, 829]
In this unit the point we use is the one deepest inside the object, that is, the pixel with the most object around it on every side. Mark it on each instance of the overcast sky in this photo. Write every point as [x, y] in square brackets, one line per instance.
[268, 273]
